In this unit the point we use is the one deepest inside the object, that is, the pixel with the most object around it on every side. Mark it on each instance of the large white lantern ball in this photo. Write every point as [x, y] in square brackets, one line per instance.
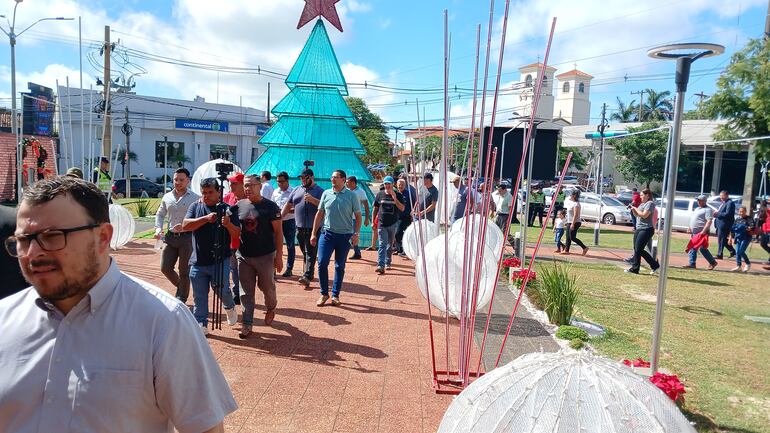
[418, 233]
[451, 192]
[123, 226]
[493, 238]
[563, 392]
[430, 279]
[209, 169]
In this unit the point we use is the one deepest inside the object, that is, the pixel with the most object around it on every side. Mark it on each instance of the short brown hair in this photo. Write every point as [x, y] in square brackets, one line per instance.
[86, 194]
[647, 191]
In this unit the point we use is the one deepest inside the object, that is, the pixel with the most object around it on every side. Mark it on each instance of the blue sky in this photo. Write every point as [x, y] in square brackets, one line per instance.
[392, 43]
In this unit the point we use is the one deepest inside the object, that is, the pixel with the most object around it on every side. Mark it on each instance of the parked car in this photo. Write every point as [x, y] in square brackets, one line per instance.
[625, 196]
[609, 210]
[683, 209]
[137, 184]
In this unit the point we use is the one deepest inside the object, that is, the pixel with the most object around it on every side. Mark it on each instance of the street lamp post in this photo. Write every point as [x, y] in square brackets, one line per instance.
[685, 55]
[12, 36]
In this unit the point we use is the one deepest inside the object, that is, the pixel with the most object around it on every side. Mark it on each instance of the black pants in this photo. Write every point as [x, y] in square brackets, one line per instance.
[764, 239]
[641, 238]
[403, 224]
[572, 230]
[723, 232]
[309, 252]
[535, 209]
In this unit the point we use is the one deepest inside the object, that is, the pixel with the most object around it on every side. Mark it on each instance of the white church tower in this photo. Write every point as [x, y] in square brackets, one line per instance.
[526, 91]
[572, 97]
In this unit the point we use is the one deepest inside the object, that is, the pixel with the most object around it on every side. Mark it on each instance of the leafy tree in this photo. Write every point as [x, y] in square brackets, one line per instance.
[578, 162]
[430, 149]
[121, 157]
[371, 132]
[742, 97]
[625, 113]
[641, 158]
[658, 106]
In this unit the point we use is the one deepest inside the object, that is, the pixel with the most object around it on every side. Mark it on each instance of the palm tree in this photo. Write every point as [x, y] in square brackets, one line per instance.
[658, 106]
[121, 157]
[625, 113]
[181, 159]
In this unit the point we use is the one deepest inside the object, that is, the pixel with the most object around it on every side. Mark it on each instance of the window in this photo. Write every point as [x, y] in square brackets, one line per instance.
[565, 87]
[681, 204]
[545, 82]
[581, 88]
[222, 151]
[173, 155]
[528, 81]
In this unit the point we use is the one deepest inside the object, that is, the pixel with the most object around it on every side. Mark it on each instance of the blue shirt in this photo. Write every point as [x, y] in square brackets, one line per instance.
[339, 208]
[203, 237]
[410, 198]
[304, 212]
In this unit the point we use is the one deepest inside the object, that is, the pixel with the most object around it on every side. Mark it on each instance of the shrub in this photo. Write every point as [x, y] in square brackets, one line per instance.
[558, 293]
[569, 332]
[533, 293]
[576, 343]
[142, 207]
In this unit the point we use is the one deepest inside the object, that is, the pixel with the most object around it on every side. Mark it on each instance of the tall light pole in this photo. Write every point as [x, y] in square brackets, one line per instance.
[12, 35]
[685, 55]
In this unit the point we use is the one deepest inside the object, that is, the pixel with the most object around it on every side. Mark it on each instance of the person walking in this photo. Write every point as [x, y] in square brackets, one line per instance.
[207, 257]
[700, 224]
[501, 202]
[558, 230]
[643, 232]
[336, 209]
[558, 203]
[723, 221]
[536, 206]
[388, 205]
[375, 228]
[267, 187]
[429, 198]
[178, 242]
[236, 193]
[259, 256]
[303, 201]
[572, 205]
[462, 198]
[636, 201]
[763, 222]
[99, 350]
[288, 224]
[405, 218]
[742, 229]
[352, 185]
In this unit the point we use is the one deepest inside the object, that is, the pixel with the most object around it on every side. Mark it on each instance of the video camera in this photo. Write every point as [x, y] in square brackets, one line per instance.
[308, 163]
[223, 169]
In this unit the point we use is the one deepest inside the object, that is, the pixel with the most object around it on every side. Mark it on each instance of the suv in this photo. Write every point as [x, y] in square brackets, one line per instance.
[137, 184]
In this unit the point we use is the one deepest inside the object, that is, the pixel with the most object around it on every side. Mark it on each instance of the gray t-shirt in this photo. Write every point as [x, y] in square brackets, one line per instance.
[430, 197]
[645, 223]
[699, 217]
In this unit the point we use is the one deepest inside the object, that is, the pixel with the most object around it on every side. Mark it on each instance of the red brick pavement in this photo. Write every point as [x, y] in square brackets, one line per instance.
[362, 367]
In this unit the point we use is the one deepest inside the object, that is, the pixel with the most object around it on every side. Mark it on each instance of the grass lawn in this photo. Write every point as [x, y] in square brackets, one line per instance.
[622, 239]
[721, 358]
[136, 206]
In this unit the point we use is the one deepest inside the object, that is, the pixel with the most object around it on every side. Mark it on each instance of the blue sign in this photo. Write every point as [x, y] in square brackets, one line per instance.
[262, 129]
[202, 125]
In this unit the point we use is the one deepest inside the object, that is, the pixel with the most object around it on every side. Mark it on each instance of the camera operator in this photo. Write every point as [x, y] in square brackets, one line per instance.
[201, 220]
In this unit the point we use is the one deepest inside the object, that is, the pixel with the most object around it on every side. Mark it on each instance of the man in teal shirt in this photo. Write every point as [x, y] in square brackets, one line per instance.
[337, 207]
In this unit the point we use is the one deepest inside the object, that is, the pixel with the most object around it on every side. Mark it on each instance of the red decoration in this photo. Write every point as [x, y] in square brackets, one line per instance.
[638, 362]
[320, 8]
[669, 384]
[512, 262]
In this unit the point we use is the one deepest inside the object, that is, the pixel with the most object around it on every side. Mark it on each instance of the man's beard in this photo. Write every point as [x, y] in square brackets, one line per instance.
[70, 287]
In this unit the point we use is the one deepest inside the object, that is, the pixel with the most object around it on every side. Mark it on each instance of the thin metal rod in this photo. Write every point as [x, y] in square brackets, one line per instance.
[82, 119]
[486, 77]
[444, 168]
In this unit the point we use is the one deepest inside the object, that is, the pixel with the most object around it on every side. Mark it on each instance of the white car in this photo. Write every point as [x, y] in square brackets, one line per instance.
[610, 210]
[683, 209]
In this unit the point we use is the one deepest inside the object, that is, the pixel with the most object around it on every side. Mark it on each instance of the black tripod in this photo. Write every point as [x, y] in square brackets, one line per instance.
[221, 242]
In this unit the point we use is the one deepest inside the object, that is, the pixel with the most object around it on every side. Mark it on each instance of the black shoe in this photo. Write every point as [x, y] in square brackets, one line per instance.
[732, 255]
[631, 271]
[719, 257]
[629, 260]
[379, 270]
[287, 273]
[355, 257]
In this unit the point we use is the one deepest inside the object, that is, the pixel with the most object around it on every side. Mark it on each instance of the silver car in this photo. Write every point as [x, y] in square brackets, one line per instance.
[610, 210]
[683, 209]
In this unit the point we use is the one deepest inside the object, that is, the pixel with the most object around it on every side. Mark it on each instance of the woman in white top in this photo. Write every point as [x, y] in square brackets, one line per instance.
[572, 204]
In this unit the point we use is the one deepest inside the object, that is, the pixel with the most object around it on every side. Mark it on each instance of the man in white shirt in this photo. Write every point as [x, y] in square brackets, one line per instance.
[267, 187]
[502, 201]
[352, 185]
[178, 242]
[281, 197]
[99, 351]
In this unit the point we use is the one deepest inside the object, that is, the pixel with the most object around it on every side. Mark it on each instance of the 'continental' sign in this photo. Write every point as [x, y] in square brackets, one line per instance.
[201, 125]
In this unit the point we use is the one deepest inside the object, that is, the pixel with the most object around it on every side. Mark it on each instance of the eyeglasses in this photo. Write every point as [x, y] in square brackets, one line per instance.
[49, 240]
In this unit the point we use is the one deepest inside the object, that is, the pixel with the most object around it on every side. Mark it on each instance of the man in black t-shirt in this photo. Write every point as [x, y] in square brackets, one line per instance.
[259, 256]
[13, 281]
[388, 205]
[429, 198]
[208, 257]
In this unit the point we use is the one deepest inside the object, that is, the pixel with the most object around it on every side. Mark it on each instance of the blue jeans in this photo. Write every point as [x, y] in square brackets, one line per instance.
[201, 278]
[741, 245]
[339, 244]
[289, 234]
[558, 234]
[386, 236]
[706, 254]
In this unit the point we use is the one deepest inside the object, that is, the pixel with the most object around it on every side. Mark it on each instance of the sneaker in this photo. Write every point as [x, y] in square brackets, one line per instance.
[245, 331]
[654, 270]
[631, 271]
[689, 267]
[287, 273]
[746, 268]
[402, 254]
[735, 269]
[629, 260]
[732, 255]
[379, 270]
[336, 301]
[232, 316]
[585, 250]
[355, 257]
[322, 300]
[269, 316]
[719, 257]
[304, 281]
[388, 266]
[204, 329]
[712, 266]
[372, 248]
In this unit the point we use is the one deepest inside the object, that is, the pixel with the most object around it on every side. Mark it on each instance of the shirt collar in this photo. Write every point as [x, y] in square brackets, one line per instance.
[98, 293]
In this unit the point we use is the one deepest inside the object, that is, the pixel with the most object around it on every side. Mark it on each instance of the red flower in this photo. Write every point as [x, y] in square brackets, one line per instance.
[512, 262]
[522, 274]
[669, 384]
[638, 362]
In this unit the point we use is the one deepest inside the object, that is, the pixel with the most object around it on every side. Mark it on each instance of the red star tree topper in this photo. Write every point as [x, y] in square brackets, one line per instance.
[318, 8]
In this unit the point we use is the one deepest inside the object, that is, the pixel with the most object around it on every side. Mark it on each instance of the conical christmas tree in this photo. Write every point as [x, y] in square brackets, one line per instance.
[314, 122]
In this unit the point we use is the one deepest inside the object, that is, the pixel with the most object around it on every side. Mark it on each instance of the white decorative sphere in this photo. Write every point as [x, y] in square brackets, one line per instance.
[493, 238]
[207, 170]
[123, 226]
[418, 233]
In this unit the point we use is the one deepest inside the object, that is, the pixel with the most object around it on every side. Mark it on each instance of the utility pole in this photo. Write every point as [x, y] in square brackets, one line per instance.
[641, 104]
[107, 132]
[267, 113]
[600, 171]
[127, 130]
[165, 162]
[701, 96]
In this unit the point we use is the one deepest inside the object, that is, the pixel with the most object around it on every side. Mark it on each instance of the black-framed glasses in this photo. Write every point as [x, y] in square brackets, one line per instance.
[49, 240]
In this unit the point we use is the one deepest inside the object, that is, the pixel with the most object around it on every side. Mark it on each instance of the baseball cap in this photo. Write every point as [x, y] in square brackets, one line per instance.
[236, 178]
[307, 172]
[104, 159]
[702, 197]
[388, 179]
[74, 172]
[503, 186]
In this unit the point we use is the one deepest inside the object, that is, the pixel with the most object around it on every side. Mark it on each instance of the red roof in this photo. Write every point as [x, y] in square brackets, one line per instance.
[537, 65]
[8, 163]
[574, 73]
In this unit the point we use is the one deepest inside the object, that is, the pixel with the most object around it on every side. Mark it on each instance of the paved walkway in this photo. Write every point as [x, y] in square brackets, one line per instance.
[361, 367]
